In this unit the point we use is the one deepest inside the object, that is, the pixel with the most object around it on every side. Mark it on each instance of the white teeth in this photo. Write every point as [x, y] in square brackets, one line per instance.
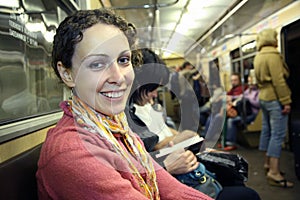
[113, 94]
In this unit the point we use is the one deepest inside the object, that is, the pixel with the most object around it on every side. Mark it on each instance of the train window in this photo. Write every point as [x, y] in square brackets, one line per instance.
[235, 53]
[242, 59]
[28, 86]
[249, 48]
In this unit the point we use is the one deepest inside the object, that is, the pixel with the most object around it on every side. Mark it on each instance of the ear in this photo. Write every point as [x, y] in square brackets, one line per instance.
[65, 75]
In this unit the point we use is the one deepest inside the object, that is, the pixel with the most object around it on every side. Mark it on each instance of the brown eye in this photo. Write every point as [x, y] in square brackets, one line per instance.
[124, 60]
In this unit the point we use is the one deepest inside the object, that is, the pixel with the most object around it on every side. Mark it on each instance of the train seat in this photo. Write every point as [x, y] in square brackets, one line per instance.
[17, 176]
[250, 136]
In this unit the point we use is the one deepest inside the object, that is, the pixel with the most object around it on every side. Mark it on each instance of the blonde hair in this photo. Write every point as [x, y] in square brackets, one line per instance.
[267, 37]
[252, 77]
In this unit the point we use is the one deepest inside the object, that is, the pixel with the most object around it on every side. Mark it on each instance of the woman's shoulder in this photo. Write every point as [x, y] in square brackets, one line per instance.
[63, 137]
[76, 143]
[67, 137]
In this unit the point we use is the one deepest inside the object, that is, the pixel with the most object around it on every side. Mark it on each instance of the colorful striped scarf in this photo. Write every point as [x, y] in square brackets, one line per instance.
[109, 128]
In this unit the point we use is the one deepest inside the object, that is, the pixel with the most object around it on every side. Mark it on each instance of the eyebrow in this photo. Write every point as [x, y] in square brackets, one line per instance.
[103, 55]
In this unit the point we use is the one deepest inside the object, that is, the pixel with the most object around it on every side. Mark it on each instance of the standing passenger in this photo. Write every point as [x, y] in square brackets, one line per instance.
[275, 99]
[92, 153]
[187, 98]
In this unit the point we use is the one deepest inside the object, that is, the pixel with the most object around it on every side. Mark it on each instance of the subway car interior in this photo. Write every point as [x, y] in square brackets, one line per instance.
[214, 34]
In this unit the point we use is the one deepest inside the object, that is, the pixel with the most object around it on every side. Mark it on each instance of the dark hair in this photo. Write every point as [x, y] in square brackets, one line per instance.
[152, 74]
[70, 32]
[185, 64]
[236, 74]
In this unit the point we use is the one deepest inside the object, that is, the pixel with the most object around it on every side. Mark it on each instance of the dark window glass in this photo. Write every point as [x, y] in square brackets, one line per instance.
[28, 86]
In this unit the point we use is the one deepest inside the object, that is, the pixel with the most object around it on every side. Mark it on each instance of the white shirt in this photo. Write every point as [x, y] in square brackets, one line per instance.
[154, 121]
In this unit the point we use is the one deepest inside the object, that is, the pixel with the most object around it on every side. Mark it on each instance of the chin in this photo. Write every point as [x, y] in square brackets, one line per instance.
[118, 110]
[114, 110]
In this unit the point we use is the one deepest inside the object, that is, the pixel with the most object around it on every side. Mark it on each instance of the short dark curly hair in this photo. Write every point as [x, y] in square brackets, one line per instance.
[70, 32]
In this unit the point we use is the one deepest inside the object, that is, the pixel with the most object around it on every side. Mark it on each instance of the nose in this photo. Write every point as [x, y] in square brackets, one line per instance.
[154, 94]
[116, 73]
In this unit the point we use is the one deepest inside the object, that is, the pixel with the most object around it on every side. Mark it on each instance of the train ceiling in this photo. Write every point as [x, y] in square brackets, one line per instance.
[177, 28]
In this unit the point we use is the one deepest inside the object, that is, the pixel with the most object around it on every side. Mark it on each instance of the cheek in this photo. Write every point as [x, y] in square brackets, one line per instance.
[129, 74]
[150, 95]
[89, 82]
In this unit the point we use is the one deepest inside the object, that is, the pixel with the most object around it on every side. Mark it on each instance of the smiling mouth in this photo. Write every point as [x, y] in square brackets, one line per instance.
[113, 94]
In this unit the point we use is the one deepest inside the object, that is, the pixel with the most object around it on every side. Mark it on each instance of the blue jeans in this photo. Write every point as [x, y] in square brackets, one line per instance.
[232, 127]
[274, 127]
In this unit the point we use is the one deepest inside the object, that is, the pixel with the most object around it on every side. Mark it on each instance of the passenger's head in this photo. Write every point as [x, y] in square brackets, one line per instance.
[235, 79]
[187, 65]
[149, 77]
[70, 33]
[267, 37]
[252, 78]
[93, 51]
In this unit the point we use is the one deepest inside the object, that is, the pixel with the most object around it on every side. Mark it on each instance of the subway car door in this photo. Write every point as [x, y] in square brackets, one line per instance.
[291, 37]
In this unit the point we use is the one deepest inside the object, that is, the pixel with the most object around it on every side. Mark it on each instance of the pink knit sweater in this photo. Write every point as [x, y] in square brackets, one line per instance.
[76, 164]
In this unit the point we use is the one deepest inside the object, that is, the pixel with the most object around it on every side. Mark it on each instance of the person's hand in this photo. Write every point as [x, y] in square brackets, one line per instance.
[286, 109]
[196, 76]
[181, 162]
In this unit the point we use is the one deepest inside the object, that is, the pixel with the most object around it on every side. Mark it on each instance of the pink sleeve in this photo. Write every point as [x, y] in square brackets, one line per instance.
[86, 178]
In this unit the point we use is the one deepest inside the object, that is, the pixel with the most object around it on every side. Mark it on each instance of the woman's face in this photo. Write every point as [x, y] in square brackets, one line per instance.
[235, 81]
[148, 97]
[102, 71]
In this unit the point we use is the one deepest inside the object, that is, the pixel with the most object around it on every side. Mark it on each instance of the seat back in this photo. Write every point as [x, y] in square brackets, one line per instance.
[17, 176]
[256, 124]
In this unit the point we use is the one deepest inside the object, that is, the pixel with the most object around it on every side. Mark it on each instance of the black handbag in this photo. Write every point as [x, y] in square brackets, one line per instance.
[230, 169]
[243, 106]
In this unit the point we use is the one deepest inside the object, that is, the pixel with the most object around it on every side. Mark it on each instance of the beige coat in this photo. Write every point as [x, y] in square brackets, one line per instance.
[271, 73]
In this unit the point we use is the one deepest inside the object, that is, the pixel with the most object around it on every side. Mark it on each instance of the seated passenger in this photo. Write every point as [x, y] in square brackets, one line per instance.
[180, 162]
[213, 108]
[92, 153]
[251, 95]
[144, 90]
[237, 87]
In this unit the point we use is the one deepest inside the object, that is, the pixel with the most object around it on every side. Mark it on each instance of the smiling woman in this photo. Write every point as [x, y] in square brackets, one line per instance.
[92, 148]
[104, 66]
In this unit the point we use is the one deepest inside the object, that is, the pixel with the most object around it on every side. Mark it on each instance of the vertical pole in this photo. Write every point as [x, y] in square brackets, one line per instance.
[242, 78]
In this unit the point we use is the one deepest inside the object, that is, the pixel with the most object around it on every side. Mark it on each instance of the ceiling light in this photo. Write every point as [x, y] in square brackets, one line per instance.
[166, 54]
[219, 23]
[182, 29]
[196, 4]
[36, 26]
[10, 3]
[169, 26]
[49, 35]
